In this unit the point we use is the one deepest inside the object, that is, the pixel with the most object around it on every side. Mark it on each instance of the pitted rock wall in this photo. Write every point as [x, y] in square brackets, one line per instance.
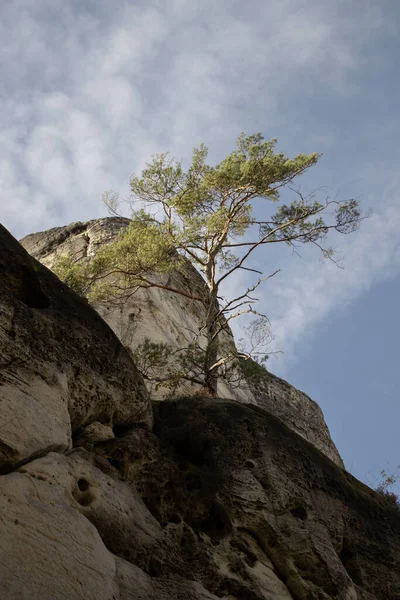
[194, 498]
[61, 366]
[165, 317]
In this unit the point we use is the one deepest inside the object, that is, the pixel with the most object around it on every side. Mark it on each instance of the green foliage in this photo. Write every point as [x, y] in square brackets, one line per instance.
[75, 274]
[206, 207]
[254, 372]
[124, 264]
[385, 487]
[202, 211]
[205, 214]
[151, 356]
[166, 366]
[120, 266]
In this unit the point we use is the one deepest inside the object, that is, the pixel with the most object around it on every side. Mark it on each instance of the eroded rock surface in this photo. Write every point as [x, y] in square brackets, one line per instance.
[220, 500]
[193, 498]
[61, 366]
[259, 512]
[60, 516]
[154, 313]
[297, 410]
[165, 317]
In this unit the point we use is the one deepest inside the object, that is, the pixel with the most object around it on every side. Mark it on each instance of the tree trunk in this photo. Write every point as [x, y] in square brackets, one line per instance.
[212, 309]
[211, 353]
[211, 377]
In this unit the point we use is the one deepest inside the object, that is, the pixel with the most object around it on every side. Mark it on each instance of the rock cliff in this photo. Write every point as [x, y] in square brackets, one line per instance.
[164, 317]
[107, 496]
[61, 366]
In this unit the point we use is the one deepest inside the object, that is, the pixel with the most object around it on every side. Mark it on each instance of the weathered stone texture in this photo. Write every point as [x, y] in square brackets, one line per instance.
[61, 366]
[106, 497]
[220, 500]
[165, 317]
[296, 410]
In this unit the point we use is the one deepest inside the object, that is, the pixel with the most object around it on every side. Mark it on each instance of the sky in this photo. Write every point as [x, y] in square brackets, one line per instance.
[91, 89]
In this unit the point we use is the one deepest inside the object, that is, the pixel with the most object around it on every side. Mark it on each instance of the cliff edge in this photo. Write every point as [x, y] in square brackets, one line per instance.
[106, 496]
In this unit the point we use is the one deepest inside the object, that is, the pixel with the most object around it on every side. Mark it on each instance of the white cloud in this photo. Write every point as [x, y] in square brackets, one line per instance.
[308, 291]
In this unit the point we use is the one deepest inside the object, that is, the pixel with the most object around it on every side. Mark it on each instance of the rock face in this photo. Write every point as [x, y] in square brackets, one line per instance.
[61, 366]
[165, 317]
[154, 313]
[296, 410]
[194, 498]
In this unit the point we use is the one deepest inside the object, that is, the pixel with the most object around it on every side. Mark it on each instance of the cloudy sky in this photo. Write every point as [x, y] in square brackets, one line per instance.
[91, 89]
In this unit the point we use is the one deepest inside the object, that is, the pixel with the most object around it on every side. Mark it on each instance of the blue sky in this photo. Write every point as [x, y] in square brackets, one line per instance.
[91, 89]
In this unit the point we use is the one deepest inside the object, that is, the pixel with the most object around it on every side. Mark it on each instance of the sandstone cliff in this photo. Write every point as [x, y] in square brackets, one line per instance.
[106, 496]
[61, 366]
[165, 317]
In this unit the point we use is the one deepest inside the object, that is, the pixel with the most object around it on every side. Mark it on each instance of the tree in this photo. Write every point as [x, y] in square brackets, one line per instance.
[206, 214]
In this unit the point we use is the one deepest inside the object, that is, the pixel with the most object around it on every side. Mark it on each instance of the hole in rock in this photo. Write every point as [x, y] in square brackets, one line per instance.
[30, 292]
[83, 485]
[299, 512]
[120, 429]
[216, 524]
[82, 493]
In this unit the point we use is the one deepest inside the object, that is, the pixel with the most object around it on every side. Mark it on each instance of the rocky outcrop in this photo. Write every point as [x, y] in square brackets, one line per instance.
[154, 313]
[61, 366]
[192, 498]
[294, 408]
[165, 317]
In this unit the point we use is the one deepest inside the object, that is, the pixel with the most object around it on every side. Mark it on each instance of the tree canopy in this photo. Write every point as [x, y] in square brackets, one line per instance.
[206, 214]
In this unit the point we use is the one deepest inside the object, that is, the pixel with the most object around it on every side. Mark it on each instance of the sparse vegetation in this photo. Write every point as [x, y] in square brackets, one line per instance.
[386, 484]
[206, 214]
